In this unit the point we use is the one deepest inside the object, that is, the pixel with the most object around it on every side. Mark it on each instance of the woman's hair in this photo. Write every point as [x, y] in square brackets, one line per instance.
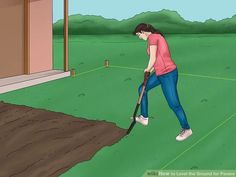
[147, 28]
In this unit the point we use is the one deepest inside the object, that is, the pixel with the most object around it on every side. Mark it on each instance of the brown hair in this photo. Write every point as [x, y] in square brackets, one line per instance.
[147, 28]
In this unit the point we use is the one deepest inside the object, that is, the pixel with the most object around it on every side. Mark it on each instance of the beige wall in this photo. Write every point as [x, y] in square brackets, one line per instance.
[11, 38]
[40, 35]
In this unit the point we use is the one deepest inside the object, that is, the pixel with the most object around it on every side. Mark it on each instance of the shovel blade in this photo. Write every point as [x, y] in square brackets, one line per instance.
[131, 127]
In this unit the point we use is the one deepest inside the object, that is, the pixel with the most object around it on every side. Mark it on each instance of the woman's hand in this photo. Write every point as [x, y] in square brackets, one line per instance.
[147, 70]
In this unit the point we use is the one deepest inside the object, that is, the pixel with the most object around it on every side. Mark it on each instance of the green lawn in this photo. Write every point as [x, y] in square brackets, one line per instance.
[207, 83]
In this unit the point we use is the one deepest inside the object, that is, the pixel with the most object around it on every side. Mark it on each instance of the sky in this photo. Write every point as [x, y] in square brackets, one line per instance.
[192, 10]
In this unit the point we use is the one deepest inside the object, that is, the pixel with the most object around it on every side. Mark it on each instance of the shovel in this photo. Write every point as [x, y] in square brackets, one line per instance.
[146, 76]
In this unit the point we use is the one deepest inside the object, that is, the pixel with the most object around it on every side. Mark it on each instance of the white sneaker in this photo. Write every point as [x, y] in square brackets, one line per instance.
[142, 120]
[184, 134]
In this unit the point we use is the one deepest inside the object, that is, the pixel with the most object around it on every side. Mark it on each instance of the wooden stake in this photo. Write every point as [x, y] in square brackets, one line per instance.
[106, 63]
[73, 72]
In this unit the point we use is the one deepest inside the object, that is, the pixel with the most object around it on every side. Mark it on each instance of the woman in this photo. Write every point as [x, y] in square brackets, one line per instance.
[166, 75]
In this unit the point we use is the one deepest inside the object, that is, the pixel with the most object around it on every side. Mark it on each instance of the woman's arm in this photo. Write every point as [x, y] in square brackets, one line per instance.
[152, 69]
[152, 60]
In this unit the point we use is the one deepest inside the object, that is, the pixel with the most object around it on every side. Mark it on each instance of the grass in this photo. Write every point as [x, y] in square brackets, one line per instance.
[207, 81]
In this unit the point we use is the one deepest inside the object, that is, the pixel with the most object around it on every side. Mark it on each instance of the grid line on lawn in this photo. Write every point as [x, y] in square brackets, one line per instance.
[92, 70]
[201, 139]
[184, 74]
[209, 77]
[139, 69]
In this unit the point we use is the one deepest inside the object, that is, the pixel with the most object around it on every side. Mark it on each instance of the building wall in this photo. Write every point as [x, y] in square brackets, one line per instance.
[40, 35]
[11, 38]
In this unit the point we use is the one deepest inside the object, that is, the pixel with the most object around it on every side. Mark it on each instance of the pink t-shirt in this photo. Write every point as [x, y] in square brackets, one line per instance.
[163, 64]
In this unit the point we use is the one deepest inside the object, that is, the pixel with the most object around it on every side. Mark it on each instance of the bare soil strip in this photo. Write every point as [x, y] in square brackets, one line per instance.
[40, 143]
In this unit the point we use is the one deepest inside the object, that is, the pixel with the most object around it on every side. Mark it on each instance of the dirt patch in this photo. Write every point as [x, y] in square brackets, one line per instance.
[40, 143]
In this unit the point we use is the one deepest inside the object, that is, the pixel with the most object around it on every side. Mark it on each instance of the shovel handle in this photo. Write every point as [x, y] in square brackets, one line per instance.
[146, 76]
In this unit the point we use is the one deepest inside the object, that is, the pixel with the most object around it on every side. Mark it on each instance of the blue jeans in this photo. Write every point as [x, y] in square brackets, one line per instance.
[168, 84]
